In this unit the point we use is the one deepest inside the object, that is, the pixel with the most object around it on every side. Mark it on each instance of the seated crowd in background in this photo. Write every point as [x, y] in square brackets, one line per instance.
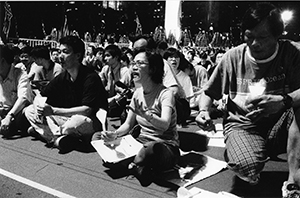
[113, 65]
[160, 84]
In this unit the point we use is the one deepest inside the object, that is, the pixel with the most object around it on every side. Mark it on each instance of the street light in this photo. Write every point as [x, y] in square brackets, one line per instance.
[286, 16]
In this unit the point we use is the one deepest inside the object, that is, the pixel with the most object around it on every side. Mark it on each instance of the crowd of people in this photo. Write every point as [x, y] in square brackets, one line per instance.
[55, 94]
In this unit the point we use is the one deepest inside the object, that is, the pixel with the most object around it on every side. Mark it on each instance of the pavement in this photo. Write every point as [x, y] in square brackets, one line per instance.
[37, 171]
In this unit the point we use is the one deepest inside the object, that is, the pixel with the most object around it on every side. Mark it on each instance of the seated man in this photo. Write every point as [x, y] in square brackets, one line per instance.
[261, 79]
[46, 69]
[112, 73]
[14, 94]
[26, 61]
[73, 98]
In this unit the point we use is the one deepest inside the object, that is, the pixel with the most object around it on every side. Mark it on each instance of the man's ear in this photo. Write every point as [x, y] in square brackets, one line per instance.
[78, 55]
[2, 62]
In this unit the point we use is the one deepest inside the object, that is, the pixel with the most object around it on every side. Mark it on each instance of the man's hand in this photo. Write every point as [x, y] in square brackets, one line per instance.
[5, 124]
[263, 106]
[204, 121]
[44, 110]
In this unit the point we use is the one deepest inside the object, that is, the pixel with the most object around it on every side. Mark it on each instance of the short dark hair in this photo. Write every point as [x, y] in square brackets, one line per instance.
[75, 43]
[40, 51]
[125, 58]
[53, 50]
[162, 45]
[171, 52]
[203, 55]
[7, 53]
[156, 65]
[151, 44]
[261, 11]
[99, 49]
[114, 50]
[26, 50]
[192, 52]
[93, 49]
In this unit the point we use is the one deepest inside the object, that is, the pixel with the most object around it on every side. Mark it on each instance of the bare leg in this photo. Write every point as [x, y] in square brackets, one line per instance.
[293, 150]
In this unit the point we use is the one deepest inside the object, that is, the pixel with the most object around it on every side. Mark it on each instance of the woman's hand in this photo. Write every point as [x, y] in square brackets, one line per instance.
[109, 136]
[139, 108]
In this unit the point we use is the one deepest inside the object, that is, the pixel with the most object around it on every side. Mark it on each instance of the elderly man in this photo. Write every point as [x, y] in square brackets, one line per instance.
[73, 98]
[14, 94]
[261, 80]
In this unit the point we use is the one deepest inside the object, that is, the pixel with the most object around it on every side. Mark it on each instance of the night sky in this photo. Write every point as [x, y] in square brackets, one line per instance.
[30, 15]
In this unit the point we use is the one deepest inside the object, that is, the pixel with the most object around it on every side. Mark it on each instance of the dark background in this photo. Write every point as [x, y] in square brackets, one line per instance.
[95, 17]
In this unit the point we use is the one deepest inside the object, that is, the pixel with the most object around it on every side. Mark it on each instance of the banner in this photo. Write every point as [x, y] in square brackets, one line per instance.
[139, 30]
[7, 19]
[65, 30]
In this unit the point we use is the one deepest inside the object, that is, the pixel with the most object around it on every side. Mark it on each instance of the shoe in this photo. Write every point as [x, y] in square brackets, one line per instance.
[254, 180]
[290, 190]
[66, 143]
[143, 174]
[33, 133]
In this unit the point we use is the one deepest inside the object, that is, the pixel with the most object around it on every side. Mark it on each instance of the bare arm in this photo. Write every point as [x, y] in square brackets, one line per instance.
[205, 102]
[80, 110]
[127, 125]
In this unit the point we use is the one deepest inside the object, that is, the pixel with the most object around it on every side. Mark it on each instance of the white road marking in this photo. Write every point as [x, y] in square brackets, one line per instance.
[35, 184]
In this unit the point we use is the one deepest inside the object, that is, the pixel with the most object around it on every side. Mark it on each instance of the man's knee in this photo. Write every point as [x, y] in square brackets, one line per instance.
[245, 153]
[294, 132]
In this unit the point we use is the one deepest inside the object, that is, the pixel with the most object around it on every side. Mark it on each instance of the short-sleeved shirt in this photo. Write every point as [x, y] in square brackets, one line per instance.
[169, 75]
[185, 83]
[16, 85]
[237, 71]
[108, 80]
[157, 100]
[200, 77]
[87, 90]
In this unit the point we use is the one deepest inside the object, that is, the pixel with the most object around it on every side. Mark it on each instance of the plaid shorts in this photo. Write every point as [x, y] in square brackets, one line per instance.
[246, 151]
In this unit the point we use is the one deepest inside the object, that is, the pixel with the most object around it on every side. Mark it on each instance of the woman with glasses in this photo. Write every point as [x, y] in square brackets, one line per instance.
[153, 109]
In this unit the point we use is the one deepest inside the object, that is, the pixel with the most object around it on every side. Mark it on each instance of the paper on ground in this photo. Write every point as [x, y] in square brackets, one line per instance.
[123, 148]
[200, 193]
[212, 167]
[194, 167]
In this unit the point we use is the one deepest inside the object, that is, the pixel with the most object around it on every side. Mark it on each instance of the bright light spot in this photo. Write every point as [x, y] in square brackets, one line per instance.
[286, 16]
[172, 18]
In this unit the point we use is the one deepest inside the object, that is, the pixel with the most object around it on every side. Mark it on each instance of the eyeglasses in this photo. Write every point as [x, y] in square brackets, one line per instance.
[138, 63]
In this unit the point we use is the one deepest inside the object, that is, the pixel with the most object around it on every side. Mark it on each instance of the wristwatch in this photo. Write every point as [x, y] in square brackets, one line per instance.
[287, 101]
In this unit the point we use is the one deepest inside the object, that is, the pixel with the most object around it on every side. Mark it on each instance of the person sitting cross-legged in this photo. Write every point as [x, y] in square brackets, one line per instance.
[152, 107]
[14, 95]
[68, 117]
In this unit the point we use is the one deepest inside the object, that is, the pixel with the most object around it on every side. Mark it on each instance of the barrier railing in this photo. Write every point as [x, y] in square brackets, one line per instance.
[35, 42]
[54, 44]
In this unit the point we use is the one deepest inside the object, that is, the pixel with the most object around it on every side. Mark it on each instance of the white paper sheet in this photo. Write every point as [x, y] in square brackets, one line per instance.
[212, 167]
[118, 150]
[193, 167]
[200, 193]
